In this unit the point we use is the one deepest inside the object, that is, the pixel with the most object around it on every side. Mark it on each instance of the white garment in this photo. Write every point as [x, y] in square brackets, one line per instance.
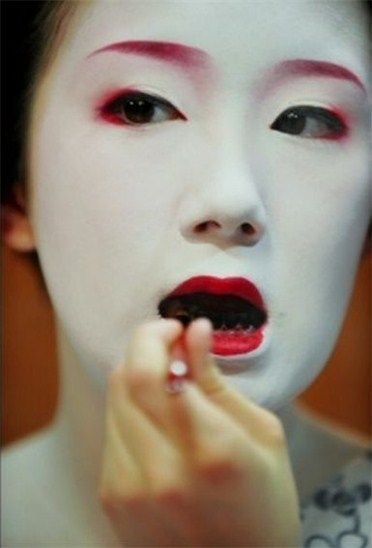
[339, 513]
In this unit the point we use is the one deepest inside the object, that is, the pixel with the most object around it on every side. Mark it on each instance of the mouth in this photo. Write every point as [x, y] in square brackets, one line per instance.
[233, 305]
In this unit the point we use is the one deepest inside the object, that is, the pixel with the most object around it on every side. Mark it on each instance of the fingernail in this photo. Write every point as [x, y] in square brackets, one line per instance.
[208, 327]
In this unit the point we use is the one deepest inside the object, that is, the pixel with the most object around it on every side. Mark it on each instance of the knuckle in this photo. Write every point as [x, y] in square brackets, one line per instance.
[170, 497]
[217, 465]
[134, 501]
[219, 471]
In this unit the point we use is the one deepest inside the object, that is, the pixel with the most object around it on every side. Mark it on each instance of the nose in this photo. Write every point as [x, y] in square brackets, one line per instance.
[225, 228]
[226, 211]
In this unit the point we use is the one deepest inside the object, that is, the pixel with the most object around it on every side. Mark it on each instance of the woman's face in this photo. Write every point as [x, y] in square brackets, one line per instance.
[248, 160]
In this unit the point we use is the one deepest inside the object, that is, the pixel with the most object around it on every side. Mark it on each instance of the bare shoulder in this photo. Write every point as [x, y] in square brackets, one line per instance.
[41, 501]
[27, 508]
[21, 462]
[21, 450]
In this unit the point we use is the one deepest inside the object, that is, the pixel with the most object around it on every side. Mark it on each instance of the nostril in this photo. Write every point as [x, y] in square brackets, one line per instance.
[202, 227]
[247, 228]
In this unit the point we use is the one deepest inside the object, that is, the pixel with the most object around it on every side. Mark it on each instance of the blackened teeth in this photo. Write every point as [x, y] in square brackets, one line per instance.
[218, 323]
[226, 312]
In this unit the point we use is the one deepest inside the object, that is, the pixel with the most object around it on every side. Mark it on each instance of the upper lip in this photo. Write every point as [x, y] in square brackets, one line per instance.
[239, 287]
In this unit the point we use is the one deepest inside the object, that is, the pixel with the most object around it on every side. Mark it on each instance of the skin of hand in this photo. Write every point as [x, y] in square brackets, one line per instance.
[205, 467]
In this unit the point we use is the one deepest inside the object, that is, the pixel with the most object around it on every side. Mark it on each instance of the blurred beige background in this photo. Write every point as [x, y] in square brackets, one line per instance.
[341, 395]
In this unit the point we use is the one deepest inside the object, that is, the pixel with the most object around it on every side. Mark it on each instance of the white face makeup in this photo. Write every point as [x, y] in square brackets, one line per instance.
[116, 205]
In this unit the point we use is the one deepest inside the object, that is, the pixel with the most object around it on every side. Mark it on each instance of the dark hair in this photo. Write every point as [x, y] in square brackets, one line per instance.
[31, 33]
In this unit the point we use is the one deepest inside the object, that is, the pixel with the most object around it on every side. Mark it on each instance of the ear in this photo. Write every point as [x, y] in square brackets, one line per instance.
[16, 226]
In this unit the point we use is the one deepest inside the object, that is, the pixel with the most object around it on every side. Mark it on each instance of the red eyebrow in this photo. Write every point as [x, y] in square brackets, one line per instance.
[187, 56]
[165, 51]
[307, 67]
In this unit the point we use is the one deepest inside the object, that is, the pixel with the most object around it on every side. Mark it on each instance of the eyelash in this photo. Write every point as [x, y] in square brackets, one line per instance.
[113, 110]
[332, 125]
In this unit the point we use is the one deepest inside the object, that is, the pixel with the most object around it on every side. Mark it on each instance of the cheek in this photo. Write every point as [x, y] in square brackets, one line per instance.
[101, 188]
[318, 200]
[106, 208]
[318, 209]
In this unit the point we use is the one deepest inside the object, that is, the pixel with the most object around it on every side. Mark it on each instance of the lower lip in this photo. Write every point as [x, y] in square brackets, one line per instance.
[228, 343]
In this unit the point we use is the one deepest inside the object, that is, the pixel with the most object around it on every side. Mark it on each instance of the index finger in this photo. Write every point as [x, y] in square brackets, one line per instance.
[148, 352]
[147, 360]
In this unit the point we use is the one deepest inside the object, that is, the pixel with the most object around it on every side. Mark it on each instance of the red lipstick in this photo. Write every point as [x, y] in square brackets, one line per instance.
[229, 341]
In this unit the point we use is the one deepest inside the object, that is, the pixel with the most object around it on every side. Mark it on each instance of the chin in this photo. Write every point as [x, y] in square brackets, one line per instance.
[265, 394]
[275, 379]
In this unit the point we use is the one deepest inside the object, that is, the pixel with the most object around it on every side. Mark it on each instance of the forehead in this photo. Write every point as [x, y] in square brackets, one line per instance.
[236, 35]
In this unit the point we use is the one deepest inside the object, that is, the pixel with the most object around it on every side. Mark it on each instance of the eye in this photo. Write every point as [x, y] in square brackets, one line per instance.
[137, 108]
[311, 123]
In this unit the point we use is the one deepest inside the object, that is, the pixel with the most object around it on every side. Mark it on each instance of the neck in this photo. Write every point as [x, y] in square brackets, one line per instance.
[77, 439]
[80, 417]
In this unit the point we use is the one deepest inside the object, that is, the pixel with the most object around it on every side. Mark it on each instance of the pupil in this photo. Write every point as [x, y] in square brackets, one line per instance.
[294, 123]
[138, 111]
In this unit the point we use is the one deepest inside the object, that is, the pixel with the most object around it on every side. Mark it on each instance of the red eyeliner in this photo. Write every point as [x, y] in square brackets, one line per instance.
[345, 121]
[102, 110]
[104, 113]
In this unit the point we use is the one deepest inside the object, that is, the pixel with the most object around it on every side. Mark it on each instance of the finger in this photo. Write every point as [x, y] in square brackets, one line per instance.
[159, 461]
[122, 487]
[159, 486]
[148, 352]
[204, 432]
[198, 343]
[148, 358]
[146, 366]
[136, 519]
[144, 374]
[261, 423]
[143, 438]
[121, 475]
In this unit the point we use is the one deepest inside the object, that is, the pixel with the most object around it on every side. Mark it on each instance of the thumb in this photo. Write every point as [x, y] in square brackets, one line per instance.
[194, 347]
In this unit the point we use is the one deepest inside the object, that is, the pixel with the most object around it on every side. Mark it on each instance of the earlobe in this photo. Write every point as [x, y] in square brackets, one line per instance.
[16, 227]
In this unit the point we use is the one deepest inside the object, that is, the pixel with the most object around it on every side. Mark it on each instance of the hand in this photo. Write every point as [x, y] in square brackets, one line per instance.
[206, 467]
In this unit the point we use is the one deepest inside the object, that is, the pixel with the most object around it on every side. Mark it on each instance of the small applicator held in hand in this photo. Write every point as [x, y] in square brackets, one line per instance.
[177, 373]
[178, 370]
[190, 362]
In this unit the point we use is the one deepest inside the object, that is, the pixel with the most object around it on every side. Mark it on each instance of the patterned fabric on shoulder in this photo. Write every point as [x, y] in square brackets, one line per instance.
[339, 514]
